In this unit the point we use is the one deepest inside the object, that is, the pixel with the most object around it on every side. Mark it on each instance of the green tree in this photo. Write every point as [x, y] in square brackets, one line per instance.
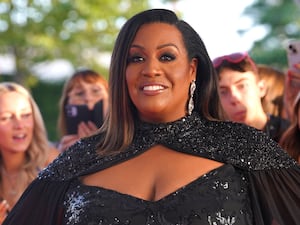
[35, 31]
[281, 20]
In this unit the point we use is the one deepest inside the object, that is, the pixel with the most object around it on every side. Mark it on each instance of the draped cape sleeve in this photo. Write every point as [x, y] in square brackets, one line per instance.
[273, 176]
[275, 196]
[40, 204]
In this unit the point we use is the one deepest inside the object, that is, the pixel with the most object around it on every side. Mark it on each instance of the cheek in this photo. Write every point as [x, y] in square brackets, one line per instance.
[93, 102]
[225, 100]
[29, 125]
[5, 134]
[226, 106]
[77, 101]
[4, 130]
[180, 71]
[72, 101]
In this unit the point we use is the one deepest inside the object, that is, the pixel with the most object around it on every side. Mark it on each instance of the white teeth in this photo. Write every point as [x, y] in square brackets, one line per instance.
[20, 136]
[153, 88]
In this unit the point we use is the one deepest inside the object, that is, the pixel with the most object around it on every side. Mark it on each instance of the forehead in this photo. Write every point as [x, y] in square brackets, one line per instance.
[228, 76]
[83, 85]
[158, 33]
[19, 101]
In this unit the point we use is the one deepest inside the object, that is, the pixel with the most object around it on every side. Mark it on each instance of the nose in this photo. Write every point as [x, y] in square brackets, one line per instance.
[90, 105]
[90, 102]
[234, 97]
[90, 99]
[17, 122]
[151, 67]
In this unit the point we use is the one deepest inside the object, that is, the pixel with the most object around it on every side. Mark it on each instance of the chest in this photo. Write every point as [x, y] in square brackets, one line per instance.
[153, 174]
[218, 197]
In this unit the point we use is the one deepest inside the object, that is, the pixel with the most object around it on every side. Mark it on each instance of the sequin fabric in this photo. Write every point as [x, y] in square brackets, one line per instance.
[220, 197]
[227, 142]
[217, 198]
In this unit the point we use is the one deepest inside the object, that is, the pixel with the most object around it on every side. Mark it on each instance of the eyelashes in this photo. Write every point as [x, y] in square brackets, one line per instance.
[135, 59]
[168, 57]
[165, 57]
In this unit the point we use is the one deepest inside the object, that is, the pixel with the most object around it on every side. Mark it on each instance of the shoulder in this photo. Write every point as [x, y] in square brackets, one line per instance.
[52, 154]
[235, 132]
[73, 162]
[245, 146]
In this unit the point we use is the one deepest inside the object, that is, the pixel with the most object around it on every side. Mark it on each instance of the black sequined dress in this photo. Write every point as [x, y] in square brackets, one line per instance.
[259, 184]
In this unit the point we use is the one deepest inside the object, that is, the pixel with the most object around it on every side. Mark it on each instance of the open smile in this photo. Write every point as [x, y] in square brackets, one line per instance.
[153, 88]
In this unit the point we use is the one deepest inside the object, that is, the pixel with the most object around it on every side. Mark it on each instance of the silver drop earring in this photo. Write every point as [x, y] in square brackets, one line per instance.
[191, 100]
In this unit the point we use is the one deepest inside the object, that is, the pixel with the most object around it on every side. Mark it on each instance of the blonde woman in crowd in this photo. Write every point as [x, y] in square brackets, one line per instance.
[290, 141]
[24, 146]
[85, 88]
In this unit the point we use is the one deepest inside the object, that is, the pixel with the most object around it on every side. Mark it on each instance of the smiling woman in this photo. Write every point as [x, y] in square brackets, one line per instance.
[163, 153]
[166, 73]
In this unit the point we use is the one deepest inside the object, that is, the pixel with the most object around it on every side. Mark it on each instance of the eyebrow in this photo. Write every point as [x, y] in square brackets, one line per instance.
[236, 82]
[22, 110]
[159, 47]
[167, 45]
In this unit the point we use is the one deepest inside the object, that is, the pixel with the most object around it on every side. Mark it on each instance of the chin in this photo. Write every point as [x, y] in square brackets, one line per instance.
[20, 148]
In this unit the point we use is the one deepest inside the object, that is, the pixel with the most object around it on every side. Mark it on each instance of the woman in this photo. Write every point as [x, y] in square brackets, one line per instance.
[162, 156]
[88, 89]
[24, 147]
[290, 140]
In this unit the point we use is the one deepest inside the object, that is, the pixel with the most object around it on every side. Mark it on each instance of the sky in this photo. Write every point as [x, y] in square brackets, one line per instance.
[217, 23]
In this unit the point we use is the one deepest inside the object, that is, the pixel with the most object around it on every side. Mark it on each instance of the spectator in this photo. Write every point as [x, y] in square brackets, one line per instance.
[24, 147]
[85, 88]
[241, 91]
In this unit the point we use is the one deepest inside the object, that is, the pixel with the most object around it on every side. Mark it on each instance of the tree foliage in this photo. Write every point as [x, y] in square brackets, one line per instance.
[35, 31]
[281, 20]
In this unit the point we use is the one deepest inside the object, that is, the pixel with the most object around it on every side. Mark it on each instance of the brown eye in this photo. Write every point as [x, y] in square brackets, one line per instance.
[135, 59]
[5, 118]
[167, 57]
[26, 115]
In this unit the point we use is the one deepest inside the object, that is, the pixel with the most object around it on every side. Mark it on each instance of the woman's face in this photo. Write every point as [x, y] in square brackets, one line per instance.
[16, 122]
[159, 74]
[89, 94]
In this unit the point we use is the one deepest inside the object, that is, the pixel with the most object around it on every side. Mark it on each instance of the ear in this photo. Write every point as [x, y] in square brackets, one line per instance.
[193, 68]
[262, 88]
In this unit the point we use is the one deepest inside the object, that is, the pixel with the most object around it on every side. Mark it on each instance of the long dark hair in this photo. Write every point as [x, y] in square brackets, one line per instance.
[119, 126]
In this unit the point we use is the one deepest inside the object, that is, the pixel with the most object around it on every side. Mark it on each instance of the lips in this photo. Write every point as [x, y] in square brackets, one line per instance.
[19, 137]
[239, 115]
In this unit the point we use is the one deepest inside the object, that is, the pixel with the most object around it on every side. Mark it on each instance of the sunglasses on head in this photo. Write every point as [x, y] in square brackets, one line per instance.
[232, 58]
